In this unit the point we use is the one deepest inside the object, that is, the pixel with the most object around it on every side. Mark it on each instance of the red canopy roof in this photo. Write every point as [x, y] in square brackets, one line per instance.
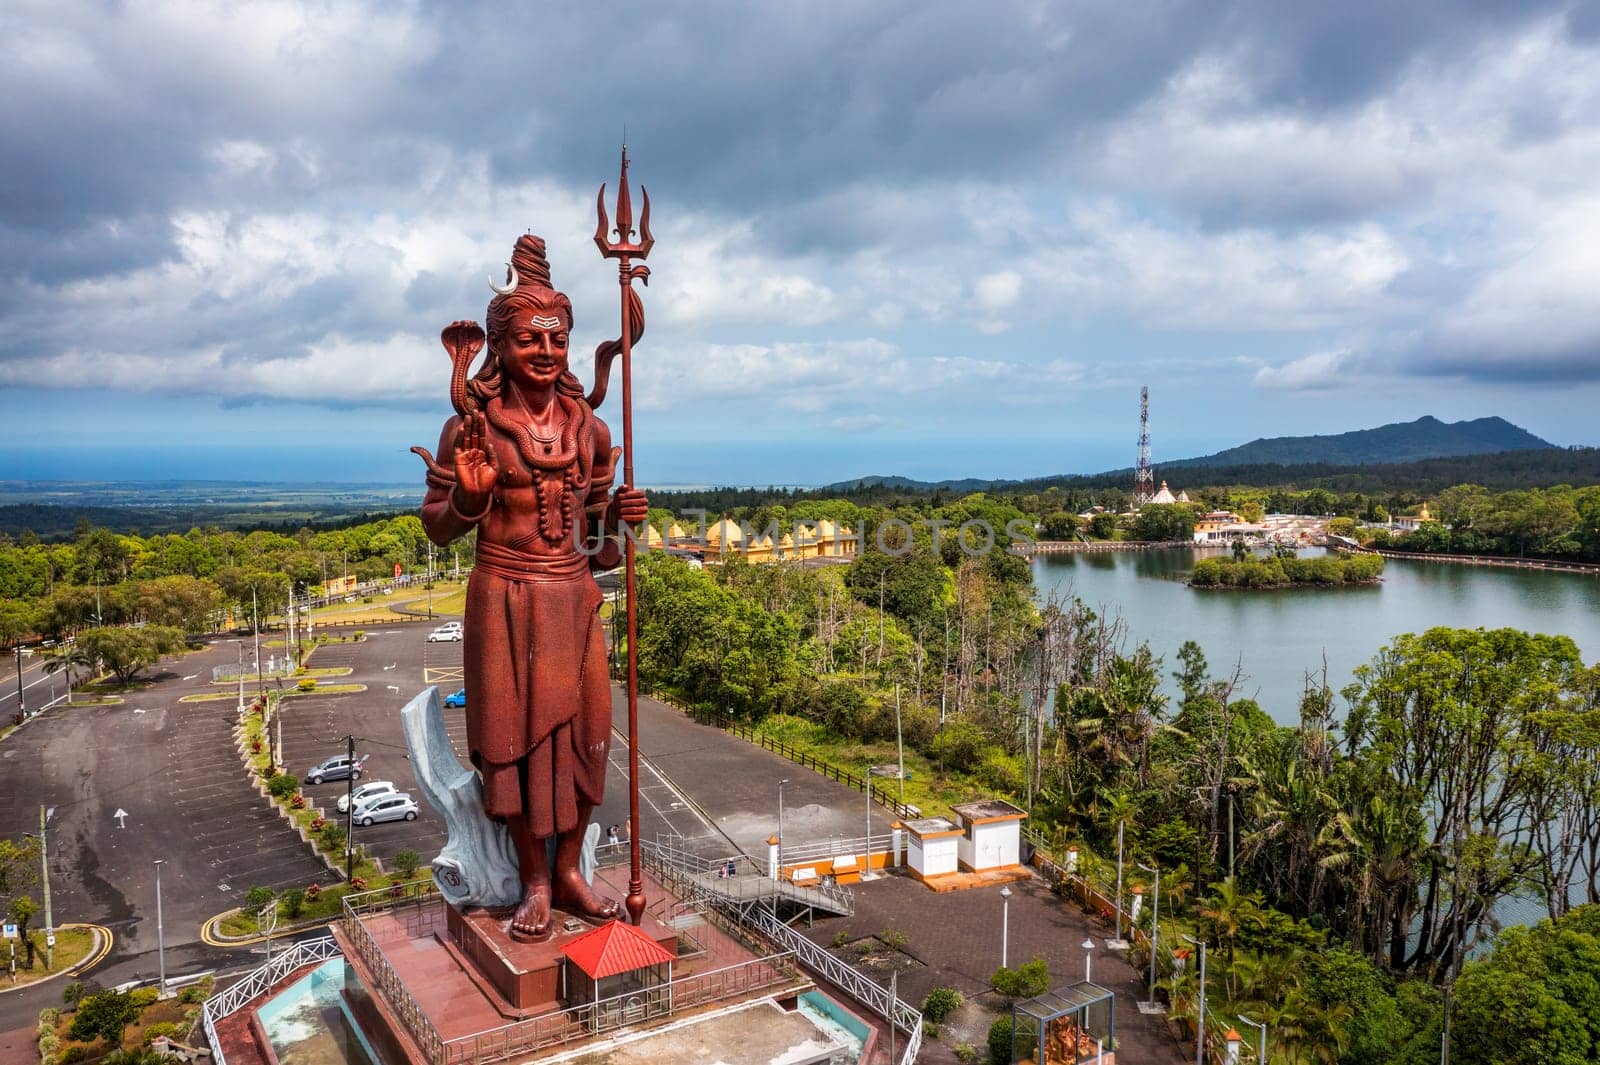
[615, 947]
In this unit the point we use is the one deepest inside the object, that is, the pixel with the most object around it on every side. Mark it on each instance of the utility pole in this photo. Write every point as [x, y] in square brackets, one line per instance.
[350, 815]
[22, 706]
[241, 680]
[900, 742]
[430, 580]
[255, 626]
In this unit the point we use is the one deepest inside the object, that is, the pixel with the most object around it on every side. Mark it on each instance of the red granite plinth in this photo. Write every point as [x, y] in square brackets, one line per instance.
[524, 978]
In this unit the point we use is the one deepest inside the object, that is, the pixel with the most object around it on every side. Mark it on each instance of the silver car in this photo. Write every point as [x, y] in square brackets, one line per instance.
[370, 790]
[396, 807]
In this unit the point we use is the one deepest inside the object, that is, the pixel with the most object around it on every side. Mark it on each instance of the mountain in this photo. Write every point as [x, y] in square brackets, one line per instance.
[1425, 438]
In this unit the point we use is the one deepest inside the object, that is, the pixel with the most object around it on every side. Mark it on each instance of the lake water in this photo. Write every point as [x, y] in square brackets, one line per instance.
[1278, 635]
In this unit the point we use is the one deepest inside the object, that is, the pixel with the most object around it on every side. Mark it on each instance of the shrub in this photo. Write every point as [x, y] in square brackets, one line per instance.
[282, 785]
[144, 996]
[941, 1003]
[294, 902]
[313, 892]
[841, 937]
[49, 1042]
[71, 994]
[73, 1055]
[361, 634]
[358, 883]
[257, 898]
[101, 1016]
[297, 803]
[196, 992]
[333, 836]
[255, 746]
[318, 823]
[1025, 981]
[893, 938]
[1000, 1041]
[406, 863]
[966, 1053]
[306, 684]
[159, 1029]
[50, 1015]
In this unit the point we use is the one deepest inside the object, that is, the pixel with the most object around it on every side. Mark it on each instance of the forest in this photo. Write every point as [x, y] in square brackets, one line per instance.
[1343, 870]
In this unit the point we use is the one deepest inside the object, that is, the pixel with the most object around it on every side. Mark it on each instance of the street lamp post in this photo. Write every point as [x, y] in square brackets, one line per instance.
[866, 786]
[44, 869]
[1200, 1029]
[22, 705]
[1005, 923]
[1088, 955]
[781, 783]
[1261, 1048]
[161, 941]
[1155, 928]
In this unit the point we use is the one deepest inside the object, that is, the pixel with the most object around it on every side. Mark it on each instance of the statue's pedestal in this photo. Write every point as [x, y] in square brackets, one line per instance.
[521, 979]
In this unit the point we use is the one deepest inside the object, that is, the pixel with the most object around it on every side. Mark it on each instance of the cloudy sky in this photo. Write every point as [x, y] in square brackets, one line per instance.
[940, 239]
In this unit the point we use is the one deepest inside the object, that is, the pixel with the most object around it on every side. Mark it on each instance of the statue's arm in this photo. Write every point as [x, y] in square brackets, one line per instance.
[441, 520]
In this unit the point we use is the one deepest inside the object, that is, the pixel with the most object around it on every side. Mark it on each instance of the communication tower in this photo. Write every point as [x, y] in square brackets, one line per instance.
[1144, 478]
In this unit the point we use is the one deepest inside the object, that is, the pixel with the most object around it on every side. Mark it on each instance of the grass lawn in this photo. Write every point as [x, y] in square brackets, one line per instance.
[324, 907]
[72, 946]
[321, 689]
[924, 788]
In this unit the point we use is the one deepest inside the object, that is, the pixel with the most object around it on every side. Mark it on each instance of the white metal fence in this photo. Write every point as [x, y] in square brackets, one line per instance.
[230, 1000]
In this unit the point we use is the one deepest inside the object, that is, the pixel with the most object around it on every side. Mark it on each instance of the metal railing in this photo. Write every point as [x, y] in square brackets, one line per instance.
[258, 982]
[390, 985]
[749, 881]
[829, 848]
[616, 1011]
[678, 867]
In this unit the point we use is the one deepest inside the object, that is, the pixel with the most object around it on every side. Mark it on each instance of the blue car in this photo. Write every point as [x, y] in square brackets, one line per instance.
[458, 699]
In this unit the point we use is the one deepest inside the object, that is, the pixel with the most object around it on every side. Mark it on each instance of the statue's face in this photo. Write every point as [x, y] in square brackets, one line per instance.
[534, 348]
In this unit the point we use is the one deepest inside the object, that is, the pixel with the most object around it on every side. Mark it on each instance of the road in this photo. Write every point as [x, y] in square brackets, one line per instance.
[38, 687]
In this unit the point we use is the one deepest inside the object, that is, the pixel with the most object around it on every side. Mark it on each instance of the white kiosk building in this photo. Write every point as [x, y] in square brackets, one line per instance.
[991, 835]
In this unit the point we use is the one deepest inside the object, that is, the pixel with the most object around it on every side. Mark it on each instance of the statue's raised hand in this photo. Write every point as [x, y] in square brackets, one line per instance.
[475, 473]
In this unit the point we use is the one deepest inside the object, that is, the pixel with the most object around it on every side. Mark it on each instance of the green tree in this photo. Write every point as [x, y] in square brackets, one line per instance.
[1536, 999]
[127, 652]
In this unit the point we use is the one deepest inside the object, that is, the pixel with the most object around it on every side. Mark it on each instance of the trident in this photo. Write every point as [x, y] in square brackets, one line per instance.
[625, 249]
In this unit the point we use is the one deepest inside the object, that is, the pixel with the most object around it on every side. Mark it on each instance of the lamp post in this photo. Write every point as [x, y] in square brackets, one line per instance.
[161, 940]
[1200, 1024]
[781, 783]
[44, 869]
[22, 706]
[866, 786]
[1088, 956]
[1261, 1048]
[1119, 943]
[1155, 928]
[1005, 923]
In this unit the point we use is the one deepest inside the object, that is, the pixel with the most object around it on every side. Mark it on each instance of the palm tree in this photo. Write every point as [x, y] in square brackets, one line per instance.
[1230, 910]
[69, 659]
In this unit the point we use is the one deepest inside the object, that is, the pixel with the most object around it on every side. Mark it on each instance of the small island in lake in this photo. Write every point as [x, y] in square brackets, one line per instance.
[1287, 572]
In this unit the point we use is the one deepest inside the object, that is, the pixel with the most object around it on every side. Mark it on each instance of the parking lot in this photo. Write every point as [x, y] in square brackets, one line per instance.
[398, 663]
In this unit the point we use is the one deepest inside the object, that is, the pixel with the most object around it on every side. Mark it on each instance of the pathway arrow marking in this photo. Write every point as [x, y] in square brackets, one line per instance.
[122, 817]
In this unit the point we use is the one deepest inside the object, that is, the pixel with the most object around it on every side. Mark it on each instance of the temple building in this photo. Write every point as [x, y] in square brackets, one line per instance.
[728, 538]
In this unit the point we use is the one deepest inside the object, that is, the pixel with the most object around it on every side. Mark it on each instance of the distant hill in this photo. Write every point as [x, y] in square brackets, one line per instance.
[1400, 442]
[1425, 438]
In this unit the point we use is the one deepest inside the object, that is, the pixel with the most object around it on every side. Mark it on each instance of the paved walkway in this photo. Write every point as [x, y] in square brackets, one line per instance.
[953, 939]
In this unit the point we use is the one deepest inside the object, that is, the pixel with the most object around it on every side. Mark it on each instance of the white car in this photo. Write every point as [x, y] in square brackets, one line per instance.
[396, 807]
[449, 632]
[369, 790]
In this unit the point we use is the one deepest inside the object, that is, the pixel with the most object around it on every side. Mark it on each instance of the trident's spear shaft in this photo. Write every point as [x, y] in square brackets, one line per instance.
[624, 249]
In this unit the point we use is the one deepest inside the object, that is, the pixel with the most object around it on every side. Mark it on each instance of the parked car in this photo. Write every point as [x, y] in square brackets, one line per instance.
[457, 699]
[339, 767]
[447, 633]
[396, 807]
[370, 790]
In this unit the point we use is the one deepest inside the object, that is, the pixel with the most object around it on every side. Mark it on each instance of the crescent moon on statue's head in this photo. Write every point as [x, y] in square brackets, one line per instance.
[512, 281]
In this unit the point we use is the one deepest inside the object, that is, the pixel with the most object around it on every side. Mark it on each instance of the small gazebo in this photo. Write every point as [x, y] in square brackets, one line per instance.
[1073, 1025]
[618, 969]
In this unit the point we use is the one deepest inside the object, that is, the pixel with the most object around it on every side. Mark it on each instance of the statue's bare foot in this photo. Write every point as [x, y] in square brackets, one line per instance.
[532, 919]
[574, 896]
